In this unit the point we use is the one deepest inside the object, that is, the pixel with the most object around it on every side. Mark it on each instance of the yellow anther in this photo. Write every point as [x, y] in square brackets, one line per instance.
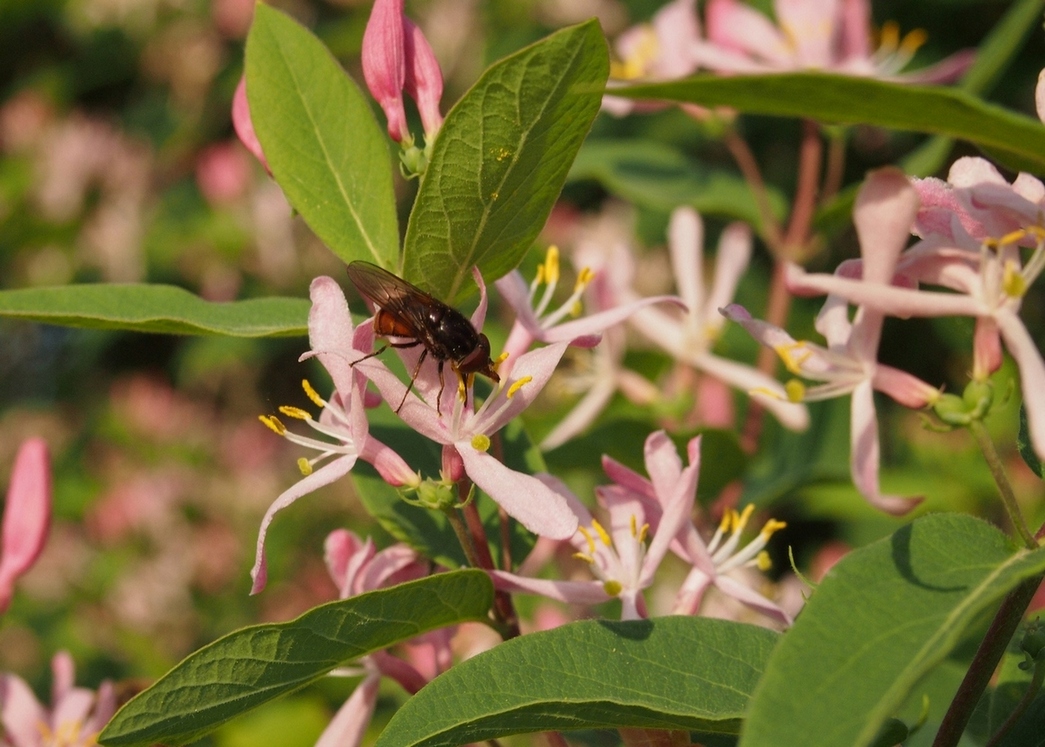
[585, 557]
[634, 526]
[481, 442]
[305, 466]
[603, 534]
[576, 308]
[638, 62]
[743, 517]
[772, 526]
[763, 562]
[793, 355]
[1037, 231]
[551, 265]
[1013, 283]
[765, 392]
[727, 520]
[539, 277]
[612, 588]
[273, 424]
[312, 394]
[1012, 237]
[517, 385]
[795, 390]
[643, 533]
[462, 390]
[588, 538]
[584, 278]
[295, 412]
[889, 36]
[913, 40]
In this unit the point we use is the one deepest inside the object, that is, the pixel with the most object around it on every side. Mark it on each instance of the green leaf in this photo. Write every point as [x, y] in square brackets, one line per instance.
[500, 161]
[321, 140]
[256, 664]
[1015, 139]
[155, 308]
[690, 673]
[658, 176]
[882, 618]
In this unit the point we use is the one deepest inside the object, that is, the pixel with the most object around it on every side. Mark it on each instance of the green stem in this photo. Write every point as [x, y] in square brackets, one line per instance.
[471, 554]
[1008, 497]
[1022, 706]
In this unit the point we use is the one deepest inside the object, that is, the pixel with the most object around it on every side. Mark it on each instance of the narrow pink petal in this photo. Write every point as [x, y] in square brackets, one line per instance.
[766, 333]
[791, 415]
[752, 599]
[676, 27]
[538, 365]
[516, 294]
[393, 468]
[971, 171]
[947, 70]
[833, 323]
[724, 60]
[20, 712]
[691, 593]
[424, 78]
[864, 458]
[350, 723]
[338, 549]
[526, 499]
[403, 672]
[330, 330]
[626, 477]
[736, 26]
[27, 515]
[663, 464]
[575, 592]
[325, 475]
[908, 390]
[391, 562]
[855, 31]
[558, 486]
[1032, 376]
[597, 323]
[243, 125]
[811, 26]
[987, 352]
[886, 207]
[686, 242]
[479, 315]
[1039, 96]
[678, 507]
[582, 415]
[731, 261]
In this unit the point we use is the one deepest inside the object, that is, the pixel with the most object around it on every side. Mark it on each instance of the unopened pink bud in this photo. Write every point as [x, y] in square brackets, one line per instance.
[424, 78]
[384, 63]
[244, 126]
[27, 515]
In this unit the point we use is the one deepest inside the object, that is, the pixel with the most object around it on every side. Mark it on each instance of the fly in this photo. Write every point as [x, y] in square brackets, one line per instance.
[405, 311]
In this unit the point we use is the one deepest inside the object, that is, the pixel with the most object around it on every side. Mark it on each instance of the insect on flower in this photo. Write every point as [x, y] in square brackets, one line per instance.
[405, 311]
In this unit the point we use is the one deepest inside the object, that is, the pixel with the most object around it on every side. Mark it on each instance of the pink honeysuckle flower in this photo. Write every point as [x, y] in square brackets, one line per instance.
[27, 515]
[831, 35]
[343, 419]
[711, 562]
[397, 57]
[658, 50]
[75, 718]
[357, 567]
[977, 203]
[535, 322]
[620, 558]
[243, 125]
[459, 426]
[689, 337]
[885, 210]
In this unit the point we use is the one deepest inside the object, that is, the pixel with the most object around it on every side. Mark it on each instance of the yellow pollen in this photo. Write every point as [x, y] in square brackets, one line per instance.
[516, 386]
[603, 534]
[576, 308]
[551, 265]
[889, 36]
[913, 40]
[1037, 231]
[585, 557]
[772, 526]
[727, 521]
[744, 516]
[481, 442]
[638, 62]
[1012, 238]
[312, 394]
[295, 412]
[795, 390]
[612, 588]
[588, 539]
[643, 533]
[539, 278]
[1013, 282]
[763, 562]
[305, 466]
[273, 424]
[462, 391]
[793, 355]
[763, 391]
[584, 278]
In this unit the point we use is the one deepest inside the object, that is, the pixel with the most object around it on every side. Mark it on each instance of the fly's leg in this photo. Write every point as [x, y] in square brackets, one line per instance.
[417, 368]
[439, 397]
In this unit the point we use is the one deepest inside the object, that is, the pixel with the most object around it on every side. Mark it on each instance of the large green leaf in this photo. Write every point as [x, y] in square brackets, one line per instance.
[321, 140]
[155, 308]
[689, 673]
[659, 176]
[881, 619]
[501, 159]
[256, 664]
[1016, 139]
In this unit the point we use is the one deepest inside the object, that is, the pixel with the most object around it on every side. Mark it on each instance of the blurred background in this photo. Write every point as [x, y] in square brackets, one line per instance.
[118, 163]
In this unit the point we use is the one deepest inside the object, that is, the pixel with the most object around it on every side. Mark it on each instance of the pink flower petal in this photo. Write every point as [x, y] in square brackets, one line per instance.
[864, 459]
[243, 125]
[384, 63]
[1032, 376]
[886, 207]
[27, 515]
[350, 723]
[575, 592]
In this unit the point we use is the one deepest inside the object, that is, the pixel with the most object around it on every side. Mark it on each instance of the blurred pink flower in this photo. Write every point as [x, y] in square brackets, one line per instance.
[343, 419]
[884, 212]
[397, 57]
[223, 173]
[690, 337]
[27, 515]
[831, 35]
[75, 718]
